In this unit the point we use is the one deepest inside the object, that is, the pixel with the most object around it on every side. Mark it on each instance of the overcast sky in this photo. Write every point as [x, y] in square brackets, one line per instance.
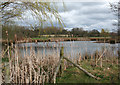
[89, 15]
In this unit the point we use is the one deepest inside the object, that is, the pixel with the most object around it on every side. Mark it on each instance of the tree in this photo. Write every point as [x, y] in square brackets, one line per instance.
[40, 11]
[105, 33]
[94, 33]
[102, 32]
[115, 7]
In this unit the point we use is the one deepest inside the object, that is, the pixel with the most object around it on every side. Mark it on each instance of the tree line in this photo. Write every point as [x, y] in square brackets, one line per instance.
[26, 32]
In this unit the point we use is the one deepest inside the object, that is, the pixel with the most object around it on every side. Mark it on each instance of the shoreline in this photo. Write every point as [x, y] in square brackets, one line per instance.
[30, 40]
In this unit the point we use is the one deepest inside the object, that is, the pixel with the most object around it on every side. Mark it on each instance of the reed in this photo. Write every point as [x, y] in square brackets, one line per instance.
[32, 67]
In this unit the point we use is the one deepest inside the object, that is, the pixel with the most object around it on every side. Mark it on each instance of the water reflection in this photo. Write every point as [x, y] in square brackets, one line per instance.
[70, 48]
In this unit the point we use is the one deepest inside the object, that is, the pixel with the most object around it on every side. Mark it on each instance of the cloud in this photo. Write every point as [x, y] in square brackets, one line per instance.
[106, 25]
[89, 15]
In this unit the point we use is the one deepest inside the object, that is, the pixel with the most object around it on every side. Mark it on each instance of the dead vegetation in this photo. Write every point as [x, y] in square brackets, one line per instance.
[40, 68]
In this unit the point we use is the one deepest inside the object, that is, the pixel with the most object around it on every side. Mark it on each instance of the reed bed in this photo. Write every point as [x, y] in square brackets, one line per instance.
[38, 67]
[32, 68]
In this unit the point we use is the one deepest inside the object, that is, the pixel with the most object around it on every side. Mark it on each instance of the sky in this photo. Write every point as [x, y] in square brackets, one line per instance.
[88, 15]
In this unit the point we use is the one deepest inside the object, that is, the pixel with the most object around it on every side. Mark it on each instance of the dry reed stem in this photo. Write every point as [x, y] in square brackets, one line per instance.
[36, 68]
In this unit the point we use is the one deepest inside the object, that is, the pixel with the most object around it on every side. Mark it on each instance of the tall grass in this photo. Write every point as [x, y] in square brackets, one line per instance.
[39, 68]
[32, 68]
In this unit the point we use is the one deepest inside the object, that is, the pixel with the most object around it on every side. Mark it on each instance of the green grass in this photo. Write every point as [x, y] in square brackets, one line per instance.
[99, 37]
[74, 75]
[5, 59]
[41, 38]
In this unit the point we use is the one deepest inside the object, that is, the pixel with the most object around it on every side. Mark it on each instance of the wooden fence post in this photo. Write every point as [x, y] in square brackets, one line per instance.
[62, 62]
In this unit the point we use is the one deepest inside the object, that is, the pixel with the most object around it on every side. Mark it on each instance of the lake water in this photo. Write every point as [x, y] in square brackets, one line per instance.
[71, 48]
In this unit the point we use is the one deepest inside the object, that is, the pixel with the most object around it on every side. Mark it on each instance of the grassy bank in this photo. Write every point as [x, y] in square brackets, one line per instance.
[108, 73]
[40, 38]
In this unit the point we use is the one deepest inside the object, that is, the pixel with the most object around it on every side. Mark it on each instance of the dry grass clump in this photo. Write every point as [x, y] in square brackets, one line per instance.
[32, 68]
[100, 56]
